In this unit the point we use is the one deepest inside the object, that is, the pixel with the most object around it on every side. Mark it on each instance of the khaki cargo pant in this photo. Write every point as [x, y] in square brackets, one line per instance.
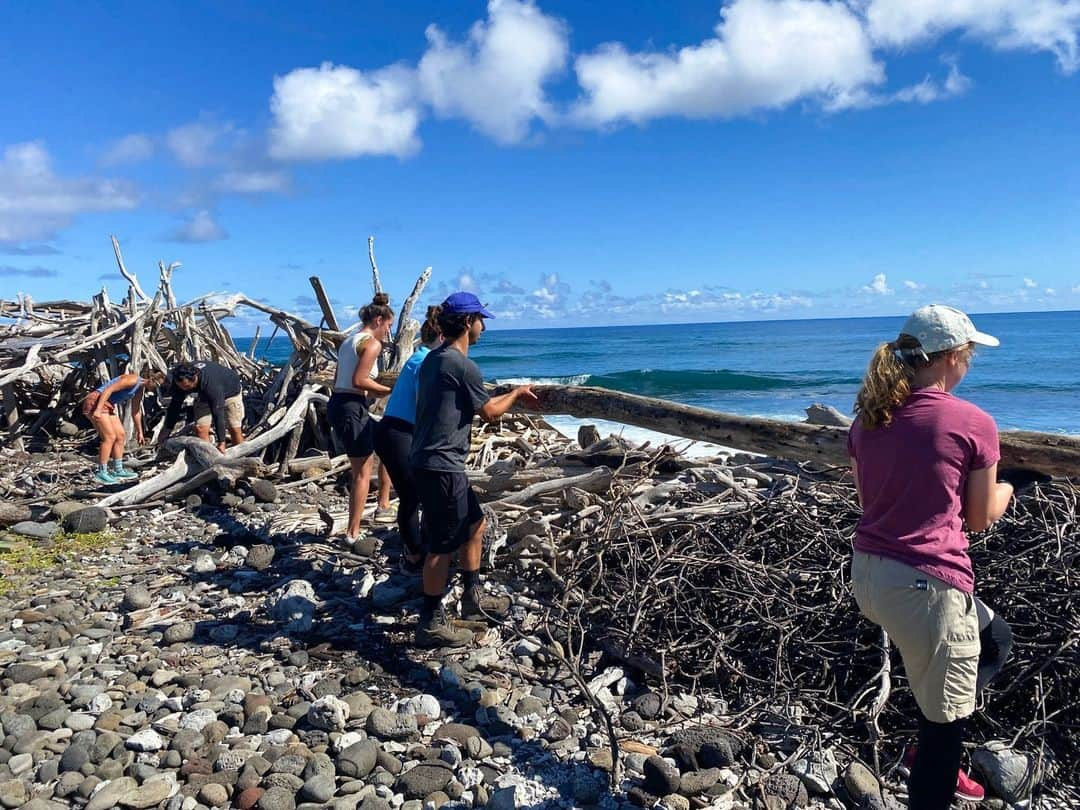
[234, 412]
[934, 625]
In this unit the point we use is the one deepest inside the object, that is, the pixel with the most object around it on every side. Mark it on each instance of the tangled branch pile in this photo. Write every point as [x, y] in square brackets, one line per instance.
[53, 353]
[748, 595]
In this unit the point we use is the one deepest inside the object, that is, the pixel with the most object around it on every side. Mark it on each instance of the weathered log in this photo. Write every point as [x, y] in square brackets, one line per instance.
[491, 484]
[207, 455]
[597, 480]
[12, 513]
[324, 303]
[1050, 453]
[144, 490]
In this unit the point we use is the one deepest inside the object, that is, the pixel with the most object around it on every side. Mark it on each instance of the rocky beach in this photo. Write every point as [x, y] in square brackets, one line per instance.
[228, 651]
[681, 631]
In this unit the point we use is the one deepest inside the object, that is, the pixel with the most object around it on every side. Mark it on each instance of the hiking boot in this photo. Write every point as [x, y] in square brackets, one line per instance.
[103, 476]
[436, 631]
[120, 473]
[477, 605]
[967, 789]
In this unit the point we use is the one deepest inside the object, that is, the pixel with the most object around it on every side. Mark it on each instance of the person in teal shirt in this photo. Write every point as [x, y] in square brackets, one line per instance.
[393, 444]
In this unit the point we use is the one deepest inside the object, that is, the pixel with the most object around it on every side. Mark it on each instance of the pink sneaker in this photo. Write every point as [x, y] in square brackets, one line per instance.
[967, 789]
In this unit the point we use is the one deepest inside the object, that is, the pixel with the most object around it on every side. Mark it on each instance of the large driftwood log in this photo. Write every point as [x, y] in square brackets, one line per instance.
[1050, 453]
[596, 480]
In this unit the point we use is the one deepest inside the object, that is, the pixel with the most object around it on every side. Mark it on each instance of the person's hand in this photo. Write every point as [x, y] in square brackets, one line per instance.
[525, 393]
[221, 447]
[140, 438]
[1022, 478]
[97, 415]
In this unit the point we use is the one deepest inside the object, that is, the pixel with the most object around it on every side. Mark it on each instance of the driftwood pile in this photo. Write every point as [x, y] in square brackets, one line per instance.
[53, 353]
[732, 579]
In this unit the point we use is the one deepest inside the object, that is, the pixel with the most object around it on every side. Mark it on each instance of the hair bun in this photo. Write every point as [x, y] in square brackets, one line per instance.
[380, 299]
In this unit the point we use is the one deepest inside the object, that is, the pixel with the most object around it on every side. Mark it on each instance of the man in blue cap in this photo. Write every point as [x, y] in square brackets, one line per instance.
[450, 392]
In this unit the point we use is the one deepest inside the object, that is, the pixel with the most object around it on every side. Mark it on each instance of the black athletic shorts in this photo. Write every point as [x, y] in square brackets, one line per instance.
[352, 425]
[450, 507]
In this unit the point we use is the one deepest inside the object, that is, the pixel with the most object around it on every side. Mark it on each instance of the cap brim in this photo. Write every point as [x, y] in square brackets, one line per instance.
[984, 339]
[483, 311]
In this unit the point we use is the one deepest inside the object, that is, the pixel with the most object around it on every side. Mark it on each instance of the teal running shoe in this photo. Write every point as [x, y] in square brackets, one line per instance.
[118, 472]
[103, 476]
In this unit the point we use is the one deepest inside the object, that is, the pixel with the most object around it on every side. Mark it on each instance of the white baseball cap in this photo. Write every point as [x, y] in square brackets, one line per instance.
[939, 328]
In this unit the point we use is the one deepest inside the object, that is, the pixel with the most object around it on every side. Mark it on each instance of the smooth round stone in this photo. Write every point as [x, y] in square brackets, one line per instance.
[79, 721]
[21, 763]
[214, 795]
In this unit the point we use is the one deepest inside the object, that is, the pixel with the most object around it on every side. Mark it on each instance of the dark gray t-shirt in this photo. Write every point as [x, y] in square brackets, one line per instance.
[450, 390]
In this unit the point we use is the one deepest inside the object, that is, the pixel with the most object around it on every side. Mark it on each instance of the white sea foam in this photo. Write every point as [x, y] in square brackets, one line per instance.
[568, 426]
[577, 379]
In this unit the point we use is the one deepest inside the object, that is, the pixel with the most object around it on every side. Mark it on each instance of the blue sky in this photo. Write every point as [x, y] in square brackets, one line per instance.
[572, 163]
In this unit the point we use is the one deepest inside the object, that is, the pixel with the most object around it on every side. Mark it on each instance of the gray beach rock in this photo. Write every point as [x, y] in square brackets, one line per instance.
[294, 607]
[358, 760]
[661, 777]
[424, 779]
[38, 531]
[137, 597]
[89, 520]
[1008, 773]
[329, 713]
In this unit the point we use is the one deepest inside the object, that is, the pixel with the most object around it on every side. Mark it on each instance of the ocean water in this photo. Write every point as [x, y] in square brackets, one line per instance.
[777, 368]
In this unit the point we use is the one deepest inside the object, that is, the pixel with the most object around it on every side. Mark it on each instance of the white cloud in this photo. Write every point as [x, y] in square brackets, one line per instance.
[334, 111]
[465, 281]
[927, 91]
[495, 79]
[1050, 291]
[133, 148]
[195, 144]
[35, 203]
[914, 286]
[1076, 290]
[766, 54]
[1030, 283]
[1042, 25]
[253, 182]
[878, 286]
[200, 228]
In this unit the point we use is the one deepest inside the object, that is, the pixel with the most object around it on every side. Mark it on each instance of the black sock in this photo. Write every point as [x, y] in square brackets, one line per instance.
[431, 605]
[933, 777]
[470, 579]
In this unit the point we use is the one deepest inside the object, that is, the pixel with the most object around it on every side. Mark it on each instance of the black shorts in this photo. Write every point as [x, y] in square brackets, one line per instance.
[352, 425]
[450, 506]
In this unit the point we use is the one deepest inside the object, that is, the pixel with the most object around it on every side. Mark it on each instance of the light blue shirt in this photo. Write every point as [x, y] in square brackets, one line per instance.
[402, 402]
[124, 394]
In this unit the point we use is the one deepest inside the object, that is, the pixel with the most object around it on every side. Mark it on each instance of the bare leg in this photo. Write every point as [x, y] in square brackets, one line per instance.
[236, 435]
[436, 574]
[358, 492]
[119, 436]
[384, 487]
[470, 554]
[104, 430]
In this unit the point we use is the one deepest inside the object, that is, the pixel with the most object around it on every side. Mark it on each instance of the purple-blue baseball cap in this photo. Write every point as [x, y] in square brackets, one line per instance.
[465, 303]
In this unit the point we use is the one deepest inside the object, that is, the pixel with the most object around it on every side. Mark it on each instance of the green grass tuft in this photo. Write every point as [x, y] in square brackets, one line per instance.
[21, 557]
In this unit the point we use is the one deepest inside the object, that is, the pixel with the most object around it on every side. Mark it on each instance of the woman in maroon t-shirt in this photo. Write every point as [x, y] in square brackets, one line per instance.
[925, 462]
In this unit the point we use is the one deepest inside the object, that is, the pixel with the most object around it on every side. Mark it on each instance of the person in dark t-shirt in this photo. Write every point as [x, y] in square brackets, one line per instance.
[220, 401]
[450, 392]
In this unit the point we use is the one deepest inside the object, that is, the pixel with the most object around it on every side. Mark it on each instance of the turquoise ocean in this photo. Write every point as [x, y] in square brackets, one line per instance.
[777, 368]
